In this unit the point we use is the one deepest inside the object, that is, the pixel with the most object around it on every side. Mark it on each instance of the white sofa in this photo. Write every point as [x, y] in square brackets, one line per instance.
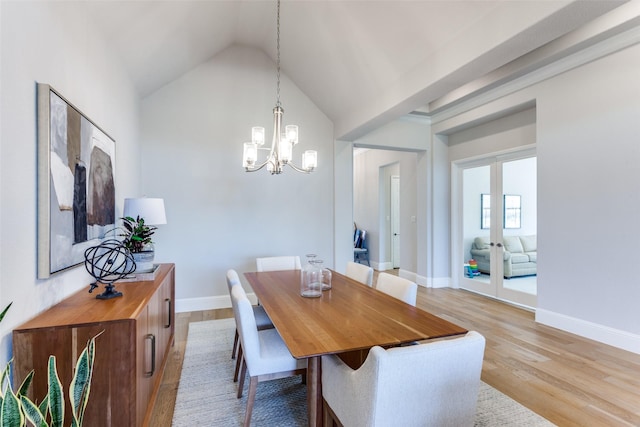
[520, 255]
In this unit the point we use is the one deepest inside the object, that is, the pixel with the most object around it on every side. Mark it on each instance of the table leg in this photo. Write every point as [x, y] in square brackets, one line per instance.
[314, 391]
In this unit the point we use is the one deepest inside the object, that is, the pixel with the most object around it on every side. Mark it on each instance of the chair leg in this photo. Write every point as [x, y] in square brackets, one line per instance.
[243, 372]
[239, 361]
[235, 345]
[328, 416]
[251, 397]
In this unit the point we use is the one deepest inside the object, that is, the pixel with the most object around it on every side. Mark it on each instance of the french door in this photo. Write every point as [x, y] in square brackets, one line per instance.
[497, 212]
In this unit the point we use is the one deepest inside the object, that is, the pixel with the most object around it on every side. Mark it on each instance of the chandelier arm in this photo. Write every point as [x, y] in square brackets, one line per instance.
[257, 168]
[299, 169]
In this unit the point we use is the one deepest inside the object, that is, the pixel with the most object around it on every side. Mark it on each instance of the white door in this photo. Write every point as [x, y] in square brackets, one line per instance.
[497, 204]
[395, 221]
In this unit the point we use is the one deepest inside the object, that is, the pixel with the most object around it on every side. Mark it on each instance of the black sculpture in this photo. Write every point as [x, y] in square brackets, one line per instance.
[107, 262]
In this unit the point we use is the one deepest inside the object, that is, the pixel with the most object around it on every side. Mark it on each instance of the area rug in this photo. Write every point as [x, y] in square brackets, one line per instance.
[207, 393]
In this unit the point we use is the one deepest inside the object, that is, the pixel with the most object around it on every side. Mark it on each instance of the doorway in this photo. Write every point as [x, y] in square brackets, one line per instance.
[385, 199]
[498, 227]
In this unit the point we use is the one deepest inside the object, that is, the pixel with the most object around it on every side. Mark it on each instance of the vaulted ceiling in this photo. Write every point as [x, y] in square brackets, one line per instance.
[360, 61]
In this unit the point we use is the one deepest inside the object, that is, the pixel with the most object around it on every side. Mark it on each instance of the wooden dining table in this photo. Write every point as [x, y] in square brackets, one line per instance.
[350, 317]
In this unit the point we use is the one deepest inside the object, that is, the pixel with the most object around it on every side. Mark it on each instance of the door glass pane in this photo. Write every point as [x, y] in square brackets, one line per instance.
[520, 225]
[476, 218]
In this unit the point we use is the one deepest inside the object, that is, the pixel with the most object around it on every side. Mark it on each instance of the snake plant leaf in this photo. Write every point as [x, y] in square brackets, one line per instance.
[33, 413]
[5, 311]
[81, 384]
[44, 405]
[56, 395]
[4, 379]
[10, 414]
[24, 387]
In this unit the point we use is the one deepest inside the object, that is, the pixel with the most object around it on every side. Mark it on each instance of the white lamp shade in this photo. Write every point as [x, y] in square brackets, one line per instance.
[250, 154]
[257, 135]
[292, 133]
[149, 209]
[286, 150]
[310, 160]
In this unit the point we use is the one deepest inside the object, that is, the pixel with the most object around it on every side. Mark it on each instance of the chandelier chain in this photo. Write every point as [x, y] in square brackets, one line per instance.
[278, 57]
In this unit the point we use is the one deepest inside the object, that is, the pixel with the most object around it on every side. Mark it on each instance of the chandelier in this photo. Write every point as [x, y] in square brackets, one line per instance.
[281, 150]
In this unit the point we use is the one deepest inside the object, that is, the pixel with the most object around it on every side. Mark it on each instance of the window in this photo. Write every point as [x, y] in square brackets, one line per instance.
[512, 211]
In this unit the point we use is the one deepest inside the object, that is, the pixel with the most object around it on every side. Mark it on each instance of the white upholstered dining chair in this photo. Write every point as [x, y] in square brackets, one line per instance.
[262, 320]
[398, 287]
[266, 356]
[360, 272]
[430, 384]
[275, 263]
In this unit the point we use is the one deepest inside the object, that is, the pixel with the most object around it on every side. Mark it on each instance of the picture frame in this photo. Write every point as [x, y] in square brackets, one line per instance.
[76, 183]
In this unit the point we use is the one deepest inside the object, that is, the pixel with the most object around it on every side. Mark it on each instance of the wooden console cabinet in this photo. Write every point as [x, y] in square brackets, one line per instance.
[130, 354]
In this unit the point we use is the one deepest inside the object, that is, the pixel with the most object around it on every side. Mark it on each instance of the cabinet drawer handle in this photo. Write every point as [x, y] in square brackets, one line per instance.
[168, 301]
[153, 354]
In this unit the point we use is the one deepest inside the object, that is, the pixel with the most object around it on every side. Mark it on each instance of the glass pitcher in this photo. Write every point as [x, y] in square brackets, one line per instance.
[311, 279]
[326, 275]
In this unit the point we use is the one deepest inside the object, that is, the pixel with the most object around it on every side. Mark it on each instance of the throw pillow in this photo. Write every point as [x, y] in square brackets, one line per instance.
[512, 244]
[529, 243]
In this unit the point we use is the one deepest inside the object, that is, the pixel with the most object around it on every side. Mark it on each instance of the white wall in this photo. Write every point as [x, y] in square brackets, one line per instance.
[218, 215]
[587, 131]
[54, 43]
[588, 157]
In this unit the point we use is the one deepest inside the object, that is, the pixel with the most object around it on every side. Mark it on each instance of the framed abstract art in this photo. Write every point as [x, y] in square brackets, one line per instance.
[76, 183]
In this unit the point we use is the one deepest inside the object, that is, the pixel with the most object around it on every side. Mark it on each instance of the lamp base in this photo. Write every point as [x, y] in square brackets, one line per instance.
[144, 261]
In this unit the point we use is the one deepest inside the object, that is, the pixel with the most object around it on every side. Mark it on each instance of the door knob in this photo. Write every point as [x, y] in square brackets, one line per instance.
[499, 245]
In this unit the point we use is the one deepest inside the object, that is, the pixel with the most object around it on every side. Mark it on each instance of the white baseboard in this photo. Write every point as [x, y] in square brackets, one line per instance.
[425, 282]
[440, 282]
[382, 266]
[604, 334]
[207, 303]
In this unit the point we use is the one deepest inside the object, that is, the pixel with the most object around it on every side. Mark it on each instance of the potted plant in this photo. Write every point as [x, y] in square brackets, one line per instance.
[17, 410]
[137, 239]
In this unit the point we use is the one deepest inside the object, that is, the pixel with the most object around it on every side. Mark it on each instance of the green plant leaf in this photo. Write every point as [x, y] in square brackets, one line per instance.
[11, 415]
[24, 387]
[4, 380]
[5, 311]
[44, 405]
[32, 412]
[81, 383]
[56, 395]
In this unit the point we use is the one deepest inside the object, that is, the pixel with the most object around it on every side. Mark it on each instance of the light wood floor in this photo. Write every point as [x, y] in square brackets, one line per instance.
[569, 380]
